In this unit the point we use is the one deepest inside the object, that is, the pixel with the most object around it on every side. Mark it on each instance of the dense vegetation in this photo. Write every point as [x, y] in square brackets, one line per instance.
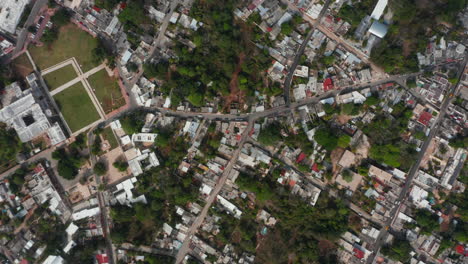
[107, 4]
[163, 190]
[224, 58]
[385, 132]
[70, 159]
[428, 221]
[399, 250]
[11, 146]
[354, 13]
[325, 136]
[294, 236]
[59, 19]
[413, 24]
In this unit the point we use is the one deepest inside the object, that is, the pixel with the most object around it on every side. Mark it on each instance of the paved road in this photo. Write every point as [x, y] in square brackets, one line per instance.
[102, 204]
[22, 37]
[46, 154]
[414, 169]
[364, 57]
[156, 44]
[269, 112]
[292, 69]
[149, 250]
[183, 250]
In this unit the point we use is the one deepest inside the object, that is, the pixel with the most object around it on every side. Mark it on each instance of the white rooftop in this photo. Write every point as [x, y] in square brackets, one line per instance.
[54, 260]
[10, 14]
[378, 29]
[85, 213]
[379, 9]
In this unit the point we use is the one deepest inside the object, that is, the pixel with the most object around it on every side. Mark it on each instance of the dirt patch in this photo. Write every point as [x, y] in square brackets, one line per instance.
[362, 148]
[428, 154]
[273, 249]
[343, 119]
[335, 157]
[406, 48]
[236, 95]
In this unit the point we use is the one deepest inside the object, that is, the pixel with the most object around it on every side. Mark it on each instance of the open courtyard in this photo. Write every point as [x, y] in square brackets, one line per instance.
[60, 77]
[76, 107]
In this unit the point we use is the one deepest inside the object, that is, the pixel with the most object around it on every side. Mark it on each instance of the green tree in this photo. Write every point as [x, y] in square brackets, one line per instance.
[11, 146]
[428, 221]
[100, 168]
[347, 175]
[326, 139]
[399, 250]
[66, 169]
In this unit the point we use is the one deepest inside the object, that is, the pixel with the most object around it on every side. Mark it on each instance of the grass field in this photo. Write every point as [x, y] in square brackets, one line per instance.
[60, 77]
[22, 65]
[71, 42]
[76, 107]
[107, 91]
[109, 135]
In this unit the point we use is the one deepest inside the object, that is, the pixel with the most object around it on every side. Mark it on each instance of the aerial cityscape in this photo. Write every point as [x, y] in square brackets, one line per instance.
[233, 131]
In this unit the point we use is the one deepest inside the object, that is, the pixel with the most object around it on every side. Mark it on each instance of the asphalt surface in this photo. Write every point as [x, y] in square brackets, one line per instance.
[292, 69]
[414, 169]
[22, 37]
[102, 202]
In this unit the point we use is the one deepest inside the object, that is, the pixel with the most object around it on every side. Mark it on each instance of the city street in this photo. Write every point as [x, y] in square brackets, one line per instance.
[183, 250]
[292, 69]
[415, 168]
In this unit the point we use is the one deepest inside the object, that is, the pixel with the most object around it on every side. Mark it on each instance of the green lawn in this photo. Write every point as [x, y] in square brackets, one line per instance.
[76, 107]
[71, 42]
[60, 77]
[107, 91]
[109, 135]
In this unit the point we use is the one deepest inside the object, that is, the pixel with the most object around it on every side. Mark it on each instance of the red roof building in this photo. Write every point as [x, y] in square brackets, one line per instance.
[301, 157]
[358, 253]
[387, 85]
[102, 259]
[461, 250]
[291, 183]
[315, 167]
[424, 118]
[327, 85]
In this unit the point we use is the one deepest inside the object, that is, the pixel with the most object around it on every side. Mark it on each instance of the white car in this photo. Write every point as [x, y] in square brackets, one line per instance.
[33, 36]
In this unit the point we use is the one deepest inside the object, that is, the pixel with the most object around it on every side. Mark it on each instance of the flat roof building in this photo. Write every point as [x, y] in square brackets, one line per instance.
[27, 117]
[378, 29]
[379, 9]
[10, 14]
